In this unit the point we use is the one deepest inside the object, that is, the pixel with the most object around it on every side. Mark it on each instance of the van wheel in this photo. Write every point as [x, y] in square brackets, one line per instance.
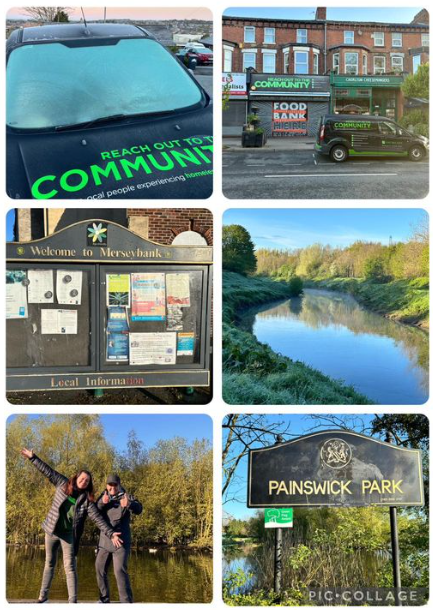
[416, 153]
[339, 153]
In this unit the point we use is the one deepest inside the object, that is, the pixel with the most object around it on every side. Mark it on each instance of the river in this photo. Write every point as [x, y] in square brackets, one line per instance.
[329, 331]
[164, 576]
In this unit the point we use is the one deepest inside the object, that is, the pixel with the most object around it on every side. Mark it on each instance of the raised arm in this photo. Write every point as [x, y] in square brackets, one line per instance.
[52, 475]
[130, 503]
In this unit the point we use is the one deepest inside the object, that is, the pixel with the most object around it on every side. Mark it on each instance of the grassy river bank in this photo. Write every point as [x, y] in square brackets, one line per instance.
[252, 372]
[405, 301]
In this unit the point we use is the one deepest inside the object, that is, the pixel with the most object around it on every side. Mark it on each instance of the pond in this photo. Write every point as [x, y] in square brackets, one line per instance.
[329, 331]
[164, 576]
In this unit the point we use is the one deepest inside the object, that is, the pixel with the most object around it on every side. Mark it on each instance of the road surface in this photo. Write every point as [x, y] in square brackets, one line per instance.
[302, 174]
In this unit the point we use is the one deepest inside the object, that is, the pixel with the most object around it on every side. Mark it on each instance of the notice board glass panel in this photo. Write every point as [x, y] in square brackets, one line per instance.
[52, 334]
[159, 323]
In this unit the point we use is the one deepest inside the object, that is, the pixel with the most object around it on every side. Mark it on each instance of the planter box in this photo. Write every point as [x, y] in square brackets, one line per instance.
[250, 139]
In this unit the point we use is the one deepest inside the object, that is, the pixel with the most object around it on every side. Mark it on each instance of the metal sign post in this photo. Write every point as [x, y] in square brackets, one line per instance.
[277, 559]
[395, 548]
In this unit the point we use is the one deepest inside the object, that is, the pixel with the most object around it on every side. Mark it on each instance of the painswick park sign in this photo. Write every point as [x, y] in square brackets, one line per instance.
[334, 468]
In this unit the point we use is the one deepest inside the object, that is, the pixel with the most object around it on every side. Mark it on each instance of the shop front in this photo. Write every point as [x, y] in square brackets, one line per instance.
[378, 94]
[289, 106]
[235, 96]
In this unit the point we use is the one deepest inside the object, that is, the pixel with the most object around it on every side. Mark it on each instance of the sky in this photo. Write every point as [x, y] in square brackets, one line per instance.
[151, 428]
[397, 15]
[298, 228]
[10, 219]
[299, 425]
[127, 13]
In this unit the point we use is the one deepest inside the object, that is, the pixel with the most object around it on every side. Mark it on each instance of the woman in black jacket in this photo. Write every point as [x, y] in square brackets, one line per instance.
[64, 524]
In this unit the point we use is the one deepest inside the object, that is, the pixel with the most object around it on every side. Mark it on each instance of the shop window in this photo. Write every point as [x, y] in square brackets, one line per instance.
[301, 62]
[301, 36]
[397, 63]
[351, 63]
[379, 65]
[269, 63]
[228, 60]
[249, 34]
[349, 37]
[416, 62]
[336, 63]
[249, 60]
[286, 62]
[269, 36]
[397, 39]
[424, 40]
[315, 63]
[379, 39]
[364, 64]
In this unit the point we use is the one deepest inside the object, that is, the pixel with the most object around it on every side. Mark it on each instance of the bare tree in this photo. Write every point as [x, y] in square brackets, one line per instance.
[47, 14]
[245, 431]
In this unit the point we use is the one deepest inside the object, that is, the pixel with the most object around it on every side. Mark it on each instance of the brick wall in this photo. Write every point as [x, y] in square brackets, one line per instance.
[285, 35]
[163, 224]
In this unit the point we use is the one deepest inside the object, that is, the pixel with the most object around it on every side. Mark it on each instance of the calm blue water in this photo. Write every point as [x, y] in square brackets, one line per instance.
[382, 359]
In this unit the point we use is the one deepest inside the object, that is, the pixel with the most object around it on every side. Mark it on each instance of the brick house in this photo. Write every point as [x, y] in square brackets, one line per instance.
[365, 62]
[162, 225]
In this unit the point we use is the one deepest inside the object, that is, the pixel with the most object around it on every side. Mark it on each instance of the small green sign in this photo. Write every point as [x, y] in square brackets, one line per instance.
[278, 517]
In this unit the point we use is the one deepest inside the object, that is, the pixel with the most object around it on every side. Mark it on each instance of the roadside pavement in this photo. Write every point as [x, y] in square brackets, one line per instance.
[234, 144]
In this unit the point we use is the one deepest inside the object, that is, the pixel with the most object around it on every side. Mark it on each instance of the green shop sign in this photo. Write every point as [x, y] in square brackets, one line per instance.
[287, 84]
[278, 517]
[366, 81]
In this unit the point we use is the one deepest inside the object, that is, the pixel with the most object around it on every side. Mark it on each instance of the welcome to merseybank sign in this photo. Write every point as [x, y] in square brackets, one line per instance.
[95, 305]
[335, 468]
[99, 241]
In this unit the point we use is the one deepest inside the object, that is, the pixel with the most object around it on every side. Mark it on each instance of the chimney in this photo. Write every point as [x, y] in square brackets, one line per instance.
[321, 14]
[421, 18]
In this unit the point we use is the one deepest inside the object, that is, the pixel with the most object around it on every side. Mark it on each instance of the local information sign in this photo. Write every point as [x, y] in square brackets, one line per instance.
[278, 517]
[334, 468]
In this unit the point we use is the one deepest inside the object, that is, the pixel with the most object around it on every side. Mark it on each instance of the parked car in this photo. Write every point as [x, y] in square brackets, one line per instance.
[342, 135]
[103, 111]
[203, 55]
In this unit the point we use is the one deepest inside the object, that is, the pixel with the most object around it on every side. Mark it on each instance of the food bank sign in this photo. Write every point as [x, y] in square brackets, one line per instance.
[335, 468]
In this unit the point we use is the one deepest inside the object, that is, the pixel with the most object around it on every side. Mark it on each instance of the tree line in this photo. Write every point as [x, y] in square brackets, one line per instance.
[395, 261]
[172, 479]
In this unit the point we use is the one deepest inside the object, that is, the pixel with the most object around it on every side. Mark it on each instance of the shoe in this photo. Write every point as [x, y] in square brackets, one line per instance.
[42, 601]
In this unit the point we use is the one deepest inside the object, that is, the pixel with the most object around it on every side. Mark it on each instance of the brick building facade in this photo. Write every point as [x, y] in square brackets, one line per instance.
[288, 62]
[320, 46]
[163, 225]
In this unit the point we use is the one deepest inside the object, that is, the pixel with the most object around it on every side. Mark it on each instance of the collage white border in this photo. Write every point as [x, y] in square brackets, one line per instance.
[217, 204]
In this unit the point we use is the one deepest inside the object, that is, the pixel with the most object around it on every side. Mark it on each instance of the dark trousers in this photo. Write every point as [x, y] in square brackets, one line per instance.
[120, 562]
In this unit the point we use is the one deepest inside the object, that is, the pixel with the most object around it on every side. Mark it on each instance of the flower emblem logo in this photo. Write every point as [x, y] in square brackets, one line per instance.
[97, 233]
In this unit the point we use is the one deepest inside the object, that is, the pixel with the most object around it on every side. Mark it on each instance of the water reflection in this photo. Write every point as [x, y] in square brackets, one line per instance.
[382, 359]
[359, 568]
[164, 576]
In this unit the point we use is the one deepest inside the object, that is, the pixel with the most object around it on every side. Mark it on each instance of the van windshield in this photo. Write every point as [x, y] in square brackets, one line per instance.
[52, 85]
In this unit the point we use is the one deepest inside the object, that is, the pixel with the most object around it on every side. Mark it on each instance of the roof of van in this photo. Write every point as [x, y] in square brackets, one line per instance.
[356, 117]
[74, 31]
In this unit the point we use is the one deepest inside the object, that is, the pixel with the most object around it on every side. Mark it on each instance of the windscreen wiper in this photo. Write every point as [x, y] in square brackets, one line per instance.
[109, 119]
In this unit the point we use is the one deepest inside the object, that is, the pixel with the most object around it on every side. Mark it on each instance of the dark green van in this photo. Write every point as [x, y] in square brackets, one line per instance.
[342, 135]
